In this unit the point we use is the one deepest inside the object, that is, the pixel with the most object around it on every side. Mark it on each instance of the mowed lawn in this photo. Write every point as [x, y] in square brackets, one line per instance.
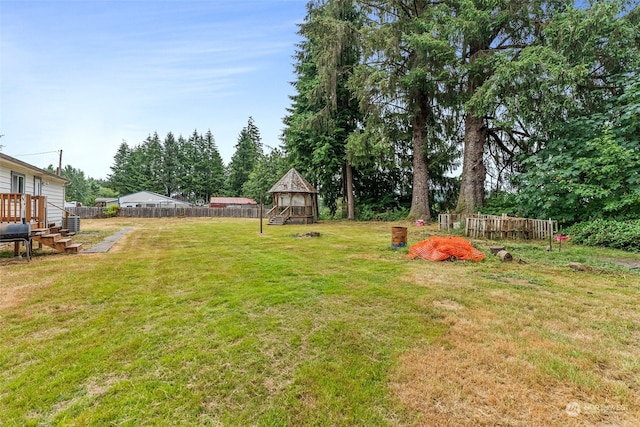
[209, 322]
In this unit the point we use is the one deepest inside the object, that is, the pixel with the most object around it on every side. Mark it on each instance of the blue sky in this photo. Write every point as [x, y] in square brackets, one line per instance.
[84, 75]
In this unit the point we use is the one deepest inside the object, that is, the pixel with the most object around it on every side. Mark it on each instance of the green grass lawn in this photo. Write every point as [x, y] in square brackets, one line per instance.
[209, 322]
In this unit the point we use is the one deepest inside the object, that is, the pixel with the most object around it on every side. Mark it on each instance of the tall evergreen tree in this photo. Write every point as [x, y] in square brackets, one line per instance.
[325, 111]
[206, 167]
[214, 167]
[171, 166]
[408, 70]
[150, 167]
[120, 179]
[490, 34]
[247, 150]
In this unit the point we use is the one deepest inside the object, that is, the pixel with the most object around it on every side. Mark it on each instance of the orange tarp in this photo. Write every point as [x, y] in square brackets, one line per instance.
[438, 248]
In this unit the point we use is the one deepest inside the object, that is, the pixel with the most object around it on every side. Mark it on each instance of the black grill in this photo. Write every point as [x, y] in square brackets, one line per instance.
[17, 232]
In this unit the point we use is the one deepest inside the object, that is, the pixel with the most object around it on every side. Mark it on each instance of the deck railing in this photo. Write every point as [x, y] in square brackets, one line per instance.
[15, 207]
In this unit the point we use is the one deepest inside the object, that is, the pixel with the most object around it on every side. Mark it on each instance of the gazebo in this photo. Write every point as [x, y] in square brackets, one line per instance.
[294, 200]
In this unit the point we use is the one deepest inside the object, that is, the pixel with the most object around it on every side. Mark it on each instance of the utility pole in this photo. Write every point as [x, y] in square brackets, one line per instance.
[60, 164]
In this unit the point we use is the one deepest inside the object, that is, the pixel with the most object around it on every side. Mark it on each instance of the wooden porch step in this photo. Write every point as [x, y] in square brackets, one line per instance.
[62, 244]
[49, 239]
[73, 248]
[276, 220]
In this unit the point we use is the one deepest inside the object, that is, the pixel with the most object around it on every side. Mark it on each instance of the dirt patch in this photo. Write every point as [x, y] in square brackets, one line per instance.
[307, 235]
[13, 290]
[632, 263]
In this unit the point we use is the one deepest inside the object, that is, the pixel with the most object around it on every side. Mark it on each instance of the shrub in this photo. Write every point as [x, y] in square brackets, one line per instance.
[365, 213]
[396, 214]
[499, 203]
[370, 213]
[623, 235]
[112, 211]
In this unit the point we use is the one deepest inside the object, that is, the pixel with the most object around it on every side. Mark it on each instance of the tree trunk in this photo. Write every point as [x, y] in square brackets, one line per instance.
[473, 170]
[420, 192]
[351, 204]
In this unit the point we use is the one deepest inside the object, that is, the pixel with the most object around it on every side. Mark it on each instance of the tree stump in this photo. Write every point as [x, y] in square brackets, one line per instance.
[495, 249]
[504, 256]
[579, 267]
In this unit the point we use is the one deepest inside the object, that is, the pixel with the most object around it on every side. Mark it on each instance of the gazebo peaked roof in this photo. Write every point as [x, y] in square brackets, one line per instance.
[292, 182]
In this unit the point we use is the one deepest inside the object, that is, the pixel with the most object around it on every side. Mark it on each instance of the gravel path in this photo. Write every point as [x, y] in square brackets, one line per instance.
[107, 243]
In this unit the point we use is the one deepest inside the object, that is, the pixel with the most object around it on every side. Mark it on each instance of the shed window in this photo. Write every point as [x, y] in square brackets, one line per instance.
[17, 183]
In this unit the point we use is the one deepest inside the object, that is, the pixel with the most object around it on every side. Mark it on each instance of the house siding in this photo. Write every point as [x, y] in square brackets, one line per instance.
[55, 203]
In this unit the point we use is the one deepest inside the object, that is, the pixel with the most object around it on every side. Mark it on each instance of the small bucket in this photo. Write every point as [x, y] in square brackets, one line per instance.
[398, 237]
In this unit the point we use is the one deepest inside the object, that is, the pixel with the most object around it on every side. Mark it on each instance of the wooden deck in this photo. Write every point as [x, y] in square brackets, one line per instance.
[279, 215]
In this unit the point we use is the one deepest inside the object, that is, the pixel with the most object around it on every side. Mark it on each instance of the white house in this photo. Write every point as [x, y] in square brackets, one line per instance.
[18, 177]
[105, 202]
[148, 199]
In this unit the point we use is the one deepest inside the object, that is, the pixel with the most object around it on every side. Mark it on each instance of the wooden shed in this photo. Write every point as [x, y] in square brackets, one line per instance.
[232, 202]
[294, 200]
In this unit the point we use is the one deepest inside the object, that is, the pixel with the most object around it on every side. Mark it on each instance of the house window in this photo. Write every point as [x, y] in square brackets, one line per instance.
[17, 183]
[37, 186]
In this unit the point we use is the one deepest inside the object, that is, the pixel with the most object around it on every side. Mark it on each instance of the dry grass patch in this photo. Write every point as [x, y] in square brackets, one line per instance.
[529, 342]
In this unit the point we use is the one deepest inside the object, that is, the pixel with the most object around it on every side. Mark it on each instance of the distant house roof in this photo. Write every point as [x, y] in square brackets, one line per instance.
[292, 182]
[232, 201]
[149, 197]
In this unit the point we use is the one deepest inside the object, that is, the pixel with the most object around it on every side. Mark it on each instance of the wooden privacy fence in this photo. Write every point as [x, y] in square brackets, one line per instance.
[500, 227]
[191, 212]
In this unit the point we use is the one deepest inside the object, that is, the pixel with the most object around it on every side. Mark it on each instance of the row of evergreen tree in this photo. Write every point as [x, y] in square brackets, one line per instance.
[186, 168]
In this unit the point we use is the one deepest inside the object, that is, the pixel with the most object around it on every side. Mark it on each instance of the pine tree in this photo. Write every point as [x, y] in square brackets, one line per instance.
[120, 178]
[171, 166]
[406, 78]
[247, 150]
[325, 111]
